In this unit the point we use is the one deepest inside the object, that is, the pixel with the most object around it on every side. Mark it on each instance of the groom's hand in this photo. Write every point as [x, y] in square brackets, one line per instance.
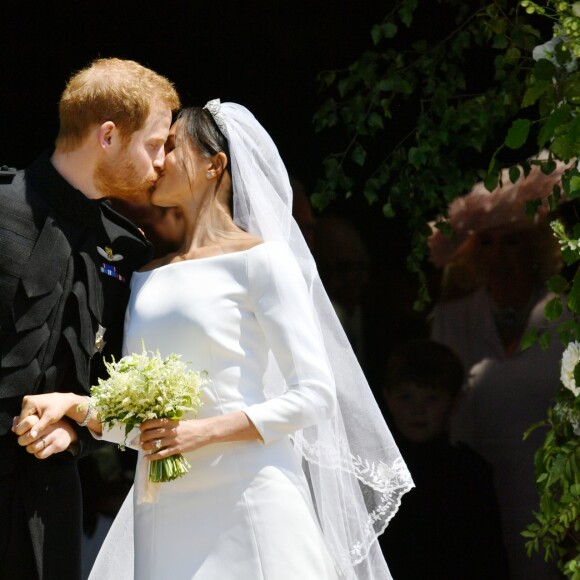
[40, 411]
[55, 438]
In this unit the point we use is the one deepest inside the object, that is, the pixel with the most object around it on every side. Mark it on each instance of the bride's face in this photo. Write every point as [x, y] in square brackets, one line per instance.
[183, 174]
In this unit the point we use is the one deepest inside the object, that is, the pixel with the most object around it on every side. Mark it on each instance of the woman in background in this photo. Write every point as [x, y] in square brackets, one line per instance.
[493, 292]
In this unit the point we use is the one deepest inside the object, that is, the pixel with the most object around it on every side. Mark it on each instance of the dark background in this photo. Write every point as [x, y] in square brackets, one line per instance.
[264, 54]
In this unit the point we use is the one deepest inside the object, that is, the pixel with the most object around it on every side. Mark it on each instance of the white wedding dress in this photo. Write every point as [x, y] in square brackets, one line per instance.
[244, 510]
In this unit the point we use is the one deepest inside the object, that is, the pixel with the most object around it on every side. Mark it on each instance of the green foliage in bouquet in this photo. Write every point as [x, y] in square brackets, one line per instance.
[146, 386]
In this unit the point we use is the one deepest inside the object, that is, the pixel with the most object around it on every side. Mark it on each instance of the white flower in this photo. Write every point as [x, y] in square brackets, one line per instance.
[547, 50]
[570, 359]
[145, 386]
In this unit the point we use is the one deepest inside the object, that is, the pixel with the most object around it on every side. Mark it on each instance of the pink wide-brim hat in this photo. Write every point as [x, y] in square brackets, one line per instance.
[481, 210]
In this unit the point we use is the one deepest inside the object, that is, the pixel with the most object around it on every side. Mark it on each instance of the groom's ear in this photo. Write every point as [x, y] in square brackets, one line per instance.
[106, 134]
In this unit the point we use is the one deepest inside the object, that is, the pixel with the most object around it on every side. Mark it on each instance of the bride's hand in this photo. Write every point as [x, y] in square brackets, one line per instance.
[166, 437]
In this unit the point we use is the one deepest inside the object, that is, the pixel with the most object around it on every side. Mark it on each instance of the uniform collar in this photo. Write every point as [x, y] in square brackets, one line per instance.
[68, 201]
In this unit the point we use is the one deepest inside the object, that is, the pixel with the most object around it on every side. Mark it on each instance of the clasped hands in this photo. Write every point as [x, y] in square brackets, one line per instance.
[44, 428]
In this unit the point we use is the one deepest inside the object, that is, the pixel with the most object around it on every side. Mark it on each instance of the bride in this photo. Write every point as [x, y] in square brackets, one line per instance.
[294, 472]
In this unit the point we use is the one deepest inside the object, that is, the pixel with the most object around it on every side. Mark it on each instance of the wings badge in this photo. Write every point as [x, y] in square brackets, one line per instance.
[107, 253]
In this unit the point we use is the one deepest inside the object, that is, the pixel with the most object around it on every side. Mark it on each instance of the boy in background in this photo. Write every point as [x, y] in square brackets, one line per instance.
[448, 527]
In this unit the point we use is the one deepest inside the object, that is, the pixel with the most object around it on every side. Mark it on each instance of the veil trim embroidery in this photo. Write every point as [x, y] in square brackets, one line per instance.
[357, 477]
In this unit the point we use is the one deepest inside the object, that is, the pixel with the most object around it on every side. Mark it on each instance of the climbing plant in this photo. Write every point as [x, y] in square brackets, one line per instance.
[447, 94]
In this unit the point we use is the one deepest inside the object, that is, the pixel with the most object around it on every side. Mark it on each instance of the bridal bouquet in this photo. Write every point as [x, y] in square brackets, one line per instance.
[145, 386]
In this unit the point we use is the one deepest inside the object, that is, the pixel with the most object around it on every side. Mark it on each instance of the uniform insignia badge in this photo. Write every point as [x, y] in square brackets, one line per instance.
[107, 253]
[110, 270]
[100, 339]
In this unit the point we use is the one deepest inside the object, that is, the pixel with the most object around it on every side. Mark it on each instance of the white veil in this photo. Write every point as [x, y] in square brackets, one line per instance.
[356, 472]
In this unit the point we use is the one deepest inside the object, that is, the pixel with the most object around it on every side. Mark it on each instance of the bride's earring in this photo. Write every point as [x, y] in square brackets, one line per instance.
[210, 174]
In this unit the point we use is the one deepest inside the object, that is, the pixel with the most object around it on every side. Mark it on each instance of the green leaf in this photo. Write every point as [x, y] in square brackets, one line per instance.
[389, 29]
[529, 338]
[380, 31]
[370, 195]
[513, 53]
[562, 146]
[388, 210]
[548, 166]
[375, 121]
[344, 85]
[574, 295]
[328, 77]
[400, 85]
[518, 133]
[514, 173]
[359, 155]
[534, 92]
[577, 373]
[545, 340]
[532, 207]
[553, 309]
[571, 187]
[406, 12]
[557, 118]
[385, 85]
[574, 187]
[547, 504]
[491, 180]
[500, 41]
[558, 467]
[417, 156]
[526, 167]
[544, 70]
[557, 284]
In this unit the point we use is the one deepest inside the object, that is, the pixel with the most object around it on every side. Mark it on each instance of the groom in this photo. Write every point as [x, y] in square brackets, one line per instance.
[66, 258]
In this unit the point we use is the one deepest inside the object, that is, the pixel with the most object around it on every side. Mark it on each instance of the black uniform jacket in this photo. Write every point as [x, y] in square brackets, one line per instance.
[65, 266]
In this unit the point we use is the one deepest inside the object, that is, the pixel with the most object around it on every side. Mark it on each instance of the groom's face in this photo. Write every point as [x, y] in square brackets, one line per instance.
[131, 172]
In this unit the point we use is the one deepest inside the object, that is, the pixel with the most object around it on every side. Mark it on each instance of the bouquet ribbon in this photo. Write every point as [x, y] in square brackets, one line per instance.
[146, 491]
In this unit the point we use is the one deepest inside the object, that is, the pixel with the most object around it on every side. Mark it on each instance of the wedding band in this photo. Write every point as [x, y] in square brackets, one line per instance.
[43, 442]
[158, 444]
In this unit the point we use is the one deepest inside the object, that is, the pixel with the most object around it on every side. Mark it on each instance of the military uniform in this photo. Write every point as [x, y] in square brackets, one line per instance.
[65, 267]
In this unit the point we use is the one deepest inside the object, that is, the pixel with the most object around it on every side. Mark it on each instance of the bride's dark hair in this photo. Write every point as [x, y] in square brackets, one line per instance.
[200, 131]
[197, 128]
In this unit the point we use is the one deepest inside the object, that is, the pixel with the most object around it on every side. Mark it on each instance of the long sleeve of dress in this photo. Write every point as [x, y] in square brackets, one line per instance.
[283, 308]
[116, 434]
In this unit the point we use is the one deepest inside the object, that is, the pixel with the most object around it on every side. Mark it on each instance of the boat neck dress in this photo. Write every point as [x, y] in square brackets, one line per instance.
[244, 510]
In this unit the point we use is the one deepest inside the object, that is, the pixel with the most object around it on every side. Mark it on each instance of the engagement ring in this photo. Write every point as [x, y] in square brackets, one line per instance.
[158, 444]
[43, 442]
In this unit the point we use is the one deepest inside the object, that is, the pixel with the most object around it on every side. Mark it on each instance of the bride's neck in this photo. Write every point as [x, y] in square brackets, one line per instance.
[209, 224]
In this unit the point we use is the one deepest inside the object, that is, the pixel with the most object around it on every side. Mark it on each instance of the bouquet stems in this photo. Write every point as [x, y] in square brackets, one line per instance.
[168, 468]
